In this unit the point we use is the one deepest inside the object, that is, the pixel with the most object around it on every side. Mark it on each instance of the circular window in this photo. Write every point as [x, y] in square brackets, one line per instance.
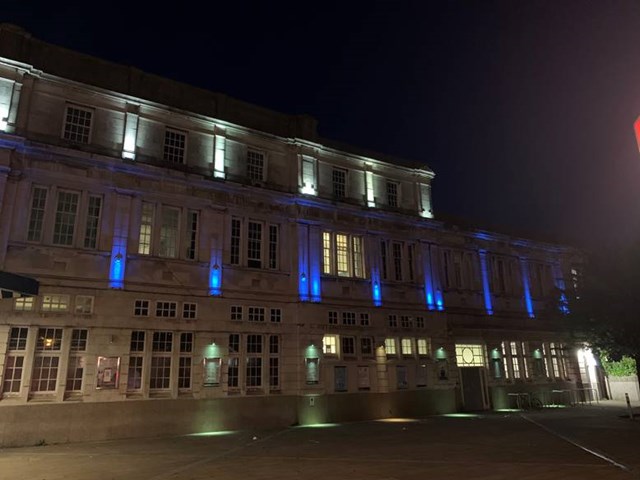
[467, 355]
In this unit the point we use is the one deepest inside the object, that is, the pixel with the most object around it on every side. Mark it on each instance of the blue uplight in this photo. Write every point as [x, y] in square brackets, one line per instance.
[215, 280]
[116, 269]
[485, 282]
[376, 292]
[524, 268]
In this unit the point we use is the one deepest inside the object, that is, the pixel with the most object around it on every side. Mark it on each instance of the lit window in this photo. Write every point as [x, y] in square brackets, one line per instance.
[169, 232]
[141, 308]
[330, 344]
[406, 346]
[175, 144]
[49, 340]
[189, 310]
[392, 194]
[23, 304]
[55, 303]
[166, 309]
[38, 202]
[327, 253]
[146, 227]
[84, 304]
[342, 254]
[423, 347]
[390, 346]
[255, 166]
[65, 223]
[470, 355]
[77, 124]
[93, 221]
[358, 267]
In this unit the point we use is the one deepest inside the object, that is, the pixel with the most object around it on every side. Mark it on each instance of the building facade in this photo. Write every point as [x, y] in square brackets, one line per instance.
[206, 264]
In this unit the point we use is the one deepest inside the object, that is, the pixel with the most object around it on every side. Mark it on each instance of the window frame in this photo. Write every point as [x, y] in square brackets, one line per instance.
[65, 123]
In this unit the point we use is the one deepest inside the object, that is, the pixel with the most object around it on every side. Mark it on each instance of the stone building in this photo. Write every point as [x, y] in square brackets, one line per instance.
[206, 264]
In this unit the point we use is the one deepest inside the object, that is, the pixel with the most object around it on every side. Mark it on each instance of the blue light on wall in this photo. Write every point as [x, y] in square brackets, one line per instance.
[485, 282]
[563, 303]
[116, 269]
[215, 280]
[524, 268]
[303, 287]
[376, 290]
[428, 283]
[439, 301]
[314, 265]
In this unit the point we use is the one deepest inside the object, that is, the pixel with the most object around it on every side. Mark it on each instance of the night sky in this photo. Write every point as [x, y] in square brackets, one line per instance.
[524, 109]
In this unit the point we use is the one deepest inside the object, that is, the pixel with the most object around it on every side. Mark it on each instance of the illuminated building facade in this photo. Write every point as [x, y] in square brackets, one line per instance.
[208, 264]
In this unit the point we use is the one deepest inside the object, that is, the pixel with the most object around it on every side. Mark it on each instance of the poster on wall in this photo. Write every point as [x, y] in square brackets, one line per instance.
[312, 371]
[364, 382]
[108, 372]
[340, 379]
[211, 372]
[401, 373]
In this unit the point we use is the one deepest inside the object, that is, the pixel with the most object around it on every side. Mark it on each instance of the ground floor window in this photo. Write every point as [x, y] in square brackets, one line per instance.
[45, 373]
[470, 355]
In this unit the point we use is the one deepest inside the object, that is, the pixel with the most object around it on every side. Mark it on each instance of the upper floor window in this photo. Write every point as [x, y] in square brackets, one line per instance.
[175, 146]
[66, 212]
[457, 269]
[504, 274]
[397, 261]
[255, 166]
[36, 219]
[339, 182]
[172, 239]
[392, 194]
[540, 278]
[77, 124]
[259, 241]
[169, 232]
[55, 303]
[342, 255]
[93, 221]
[146, 228]
[23, 304]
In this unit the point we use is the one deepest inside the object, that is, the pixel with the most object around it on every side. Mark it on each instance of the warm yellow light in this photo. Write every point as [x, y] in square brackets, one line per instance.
[48, 342]
[398, 420]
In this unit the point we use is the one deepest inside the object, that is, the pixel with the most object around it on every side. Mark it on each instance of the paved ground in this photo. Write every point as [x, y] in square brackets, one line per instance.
[574, 443]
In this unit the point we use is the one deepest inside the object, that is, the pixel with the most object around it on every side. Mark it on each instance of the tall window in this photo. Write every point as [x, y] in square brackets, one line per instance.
[342, 254]
[192, 239]
[235, 241]
[390, 346]
[184, 367]
[66, 212]
[423, 347]
[410, 259]
[255, 166]
[146, 228]
[134, 381]
[383, 259]
[161, 347]
[396, 250]
[407, 346]
[254, 361]
[93, 219]
[515, 359]
[38, 202]
[169, 232]
[274, 362]
[77, 124]
[273, 246]
[330, 344]
[392, 194]
[233, 370]
[175, 144]
[14, 362]
[75, 368]
[254, 245]
[339, 182]
[47, 360]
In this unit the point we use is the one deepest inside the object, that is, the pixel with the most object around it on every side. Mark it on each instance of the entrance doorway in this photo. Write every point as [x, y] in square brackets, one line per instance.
[471, 360]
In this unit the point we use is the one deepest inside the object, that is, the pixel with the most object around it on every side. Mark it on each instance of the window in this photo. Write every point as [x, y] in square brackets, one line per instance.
[274, 362]
[236, 313]
[192, 238]
[410, 259]
[166, 309]
[93, 221]
[393, 321]
[14, 363]
[364, 319]
[78, 340]
[256, 314]
[75, 372]
[406, 346]
[189, 310]
[392, 194]
[233, 373]
[254, 361]
[77, 124]
[515, 360]
[383, 260]
[333, 318]
[186, 342]
[146, 227]
[55, 303]
[254, 244]
[169, 232]
[423, 347]
[339, 182]
[36, 218]
[276, 315]
[330, 344]
[405, 321]
[390, 346]
[273, 246]
[175, 144]
[161, 347]
[184, 365]
[18, 338]
[235, 241]
[470, 355]
[343, 255]
[396, 251]
[348, 318]
[141, 308]
[255, 166]
[366, 346]
[134, 381]
[234, 343]
[23, 304]
[348, 346]
[66, 212]
[137, 341]
[45, 365]
[419, 322]
[84, 305]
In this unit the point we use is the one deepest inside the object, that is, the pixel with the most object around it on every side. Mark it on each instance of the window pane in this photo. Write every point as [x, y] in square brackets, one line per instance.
[38, 202]
[146, 227]
[93, 217]
[77, 125]
[169, 232]
[235, 241]
[358, 264]
[174, 146]
[327, 254]
[254, 245]
[342, 255]
[66, 210]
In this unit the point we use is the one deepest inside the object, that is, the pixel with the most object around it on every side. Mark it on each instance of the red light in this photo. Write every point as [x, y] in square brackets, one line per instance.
[636, 127]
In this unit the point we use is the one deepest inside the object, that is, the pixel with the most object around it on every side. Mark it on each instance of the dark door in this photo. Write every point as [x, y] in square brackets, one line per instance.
[474, 396]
